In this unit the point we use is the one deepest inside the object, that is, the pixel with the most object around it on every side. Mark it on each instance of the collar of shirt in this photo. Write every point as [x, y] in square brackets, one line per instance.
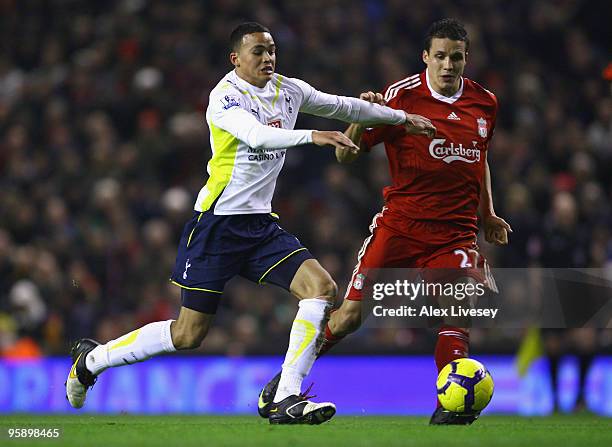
[439, 97]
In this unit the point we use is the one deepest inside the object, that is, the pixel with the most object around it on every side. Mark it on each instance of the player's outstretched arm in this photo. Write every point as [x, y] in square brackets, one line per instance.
[227, 114]
[347, 109]
[242, 125]
[246, 128]
[496, 229]
[414, 124]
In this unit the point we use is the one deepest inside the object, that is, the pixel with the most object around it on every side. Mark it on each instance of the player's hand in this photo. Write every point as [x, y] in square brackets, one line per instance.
[334, 138]
[376, 98]
[496, 230]
[419, 125]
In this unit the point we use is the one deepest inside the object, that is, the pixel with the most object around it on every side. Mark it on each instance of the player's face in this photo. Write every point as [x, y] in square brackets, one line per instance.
[445, 61]
[255, 60]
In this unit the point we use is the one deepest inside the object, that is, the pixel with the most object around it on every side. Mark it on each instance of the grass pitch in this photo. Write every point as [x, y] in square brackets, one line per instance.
[150, 431]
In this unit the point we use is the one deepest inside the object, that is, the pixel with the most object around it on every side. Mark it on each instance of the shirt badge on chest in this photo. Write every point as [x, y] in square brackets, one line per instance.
[482, 127]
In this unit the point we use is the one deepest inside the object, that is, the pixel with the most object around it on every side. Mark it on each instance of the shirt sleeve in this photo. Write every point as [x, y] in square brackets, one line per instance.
[343, 108]
[226, 111]
[493, 117]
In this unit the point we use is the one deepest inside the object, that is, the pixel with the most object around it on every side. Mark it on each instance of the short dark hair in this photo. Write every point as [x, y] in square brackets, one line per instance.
[242, 30]
[447, 29]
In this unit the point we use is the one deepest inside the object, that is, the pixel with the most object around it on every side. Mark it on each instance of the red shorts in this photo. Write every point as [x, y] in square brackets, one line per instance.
[420, 245]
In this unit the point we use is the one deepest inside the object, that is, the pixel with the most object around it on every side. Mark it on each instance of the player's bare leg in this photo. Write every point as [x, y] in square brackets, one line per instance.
[346, 319]
[90, 358]
[342, 322]
[316, 290]
[190, 328]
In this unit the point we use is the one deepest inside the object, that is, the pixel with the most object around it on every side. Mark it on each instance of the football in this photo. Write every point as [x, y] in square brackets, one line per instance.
[464, 386]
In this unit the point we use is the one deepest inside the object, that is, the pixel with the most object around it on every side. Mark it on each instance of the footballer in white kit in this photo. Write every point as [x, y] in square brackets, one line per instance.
[247, 157]
[251, 114]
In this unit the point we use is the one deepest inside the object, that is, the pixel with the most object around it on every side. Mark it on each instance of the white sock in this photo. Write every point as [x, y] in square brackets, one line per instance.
[138, 345]
[303, 339]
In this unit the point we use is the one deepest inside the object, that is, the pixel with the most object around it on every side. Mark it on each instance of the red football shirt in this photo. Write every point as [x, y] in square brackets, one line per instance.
[437, 179]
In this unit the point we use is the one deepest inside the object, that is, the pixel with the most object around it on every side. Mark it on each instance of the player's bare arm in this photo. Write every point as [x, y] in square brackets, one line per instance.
[495, 228]
[334, 138]
[419, 125]
[353, 133]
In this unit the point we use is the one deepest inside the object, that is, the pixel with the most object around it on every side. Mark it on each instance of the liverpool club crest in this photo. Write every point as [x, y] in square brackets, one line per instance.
[482, 127]
[358, 283]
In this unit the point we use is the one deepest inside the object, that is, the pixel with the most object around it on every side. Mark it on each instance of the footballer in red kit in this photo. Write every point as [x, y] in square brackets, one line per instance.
[430, 213]
[440, 183]
[439, 186]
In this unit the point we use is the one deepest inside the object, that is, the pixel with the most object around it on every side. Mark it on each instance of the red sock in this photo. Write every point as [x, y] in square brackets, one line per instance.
[453, 343]
[329, 341]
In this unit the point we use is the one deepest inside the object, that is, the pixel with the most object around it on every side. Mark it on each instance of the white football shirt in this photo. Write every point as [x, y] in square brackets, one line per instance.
[251, 128]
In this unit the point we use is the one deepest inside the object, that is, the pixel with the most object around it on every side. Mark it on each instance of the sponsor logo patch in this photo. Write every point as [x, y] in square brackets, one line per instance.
[453, 116]
[448, 152]
[230, 101]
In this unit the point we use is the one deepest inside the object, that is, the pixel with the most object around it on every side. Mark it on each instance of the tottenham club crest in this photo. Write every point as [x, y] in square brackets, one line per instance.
[482, 127]
[187, 265]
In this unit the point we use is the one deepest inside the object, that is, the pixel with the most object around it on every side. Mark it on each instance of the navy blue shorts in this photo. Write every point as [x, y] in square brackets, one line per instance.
[214, 249]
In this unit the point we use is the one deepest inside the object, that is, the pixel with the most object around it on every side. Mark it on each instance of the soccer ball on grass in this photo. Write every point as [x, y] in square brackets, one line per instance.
[464, 386]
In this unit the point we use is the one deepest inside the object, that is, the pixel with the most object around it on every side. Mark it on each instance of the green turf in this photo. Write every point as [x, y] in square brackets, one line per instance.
[167, 431]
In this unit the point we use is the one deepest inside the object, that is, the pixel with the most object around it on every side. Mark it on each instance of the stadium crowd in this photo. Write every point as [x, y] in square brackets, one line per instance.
[103, 147]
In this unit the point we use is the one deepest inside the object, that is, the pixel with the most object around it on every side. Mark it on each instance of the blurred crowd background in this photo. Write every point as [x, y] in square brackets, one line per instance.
[103, 148]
